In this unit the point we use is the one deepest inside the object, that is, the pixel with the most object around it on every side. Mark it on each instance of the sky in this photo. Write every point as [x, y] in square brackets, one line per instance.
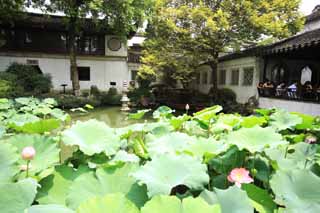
[308, 5]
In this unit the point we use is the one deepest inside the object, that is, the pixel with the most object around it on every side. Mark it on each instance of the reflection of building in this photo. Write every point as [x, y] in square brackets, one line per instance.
[42, 41]
[295, 59]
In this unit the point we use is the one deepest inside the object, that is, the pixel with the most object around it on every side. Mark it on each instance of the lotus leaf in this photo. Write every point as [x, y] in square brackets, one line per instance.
[255, 139]
[113, 203]
[282, 120]
[16, 197]
[169, 204]
[49, 209]
[297, 190]
[165, 172]
[113, 179]
[8, 157]
[92, 137]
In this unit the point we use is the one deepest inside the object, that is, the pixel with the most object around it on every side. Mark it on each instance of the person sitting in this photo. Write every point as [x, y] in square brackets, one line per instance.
[292, 90]
[281, 89]
[269, 84]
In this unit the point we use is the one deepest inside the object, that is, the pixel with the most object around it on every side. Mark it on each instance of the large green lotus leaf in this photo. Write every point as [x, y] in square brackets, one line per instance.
[16, 197]
[39, 127]
[297, 190]
[171, 204]
[255, 139]
[8, 158]
[92, 137]
[297, 156]
[249, 122]
[125, 157]
[260, 198]
[138, 115]
[194, 128]
[113, 179]
[54, 188]
[307, 121]
[22, 119]
[169, 144]
[208, 113]
[164, 172]
[231, 200]
[47, 151]
[113, 203]
[5, 104]
[52, 208]
[203, 146]
[162, 112]
[229, 120]
[59, 114]
[282, 120]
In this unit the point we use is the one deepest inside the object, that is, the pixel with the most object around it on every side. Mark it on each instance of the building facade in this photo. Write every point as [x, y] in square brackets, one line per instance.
[292, 60]
[43, 42]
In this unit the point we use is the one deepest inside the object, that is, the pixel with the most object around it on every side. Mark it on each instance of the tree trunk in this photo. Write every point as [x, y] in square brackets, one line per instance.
[214, 68]
[73, 57]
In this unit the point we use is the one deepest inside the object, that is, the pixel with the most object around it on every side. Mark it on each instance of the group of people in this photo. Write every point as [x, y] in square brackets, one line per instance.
[307, 90]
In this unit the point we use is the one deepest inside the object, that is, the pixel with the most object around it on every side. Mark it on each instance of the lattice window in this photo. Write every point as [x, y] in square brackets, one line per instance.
[205, 77]
[248, 76]
[235, 77]
[222, 77]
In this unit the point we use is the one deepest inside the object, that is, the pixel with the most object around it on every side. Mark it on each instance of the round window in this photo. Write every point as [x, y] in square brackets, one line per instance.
[114, 44]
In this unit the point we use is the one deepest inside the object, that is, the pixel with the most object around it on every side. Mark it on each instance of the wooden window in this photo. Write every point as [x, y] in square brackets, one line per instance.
[205, 77]
[134, 74]
[248, 74]
[84, 73]
[222, 77]
[235, 77]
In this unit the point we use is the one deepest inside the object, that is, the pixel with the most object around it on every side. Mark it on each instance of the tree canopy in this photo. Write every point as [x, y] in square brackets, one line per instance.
[121, 17]
[186, 33]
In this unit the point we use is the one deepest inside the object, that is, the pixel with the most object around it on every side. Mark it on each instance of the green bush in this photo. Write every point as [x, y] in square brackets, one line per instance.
[94, 91]
[30, 79]
[226, 95]
[111, 97]
[6, 88]
[67, 101]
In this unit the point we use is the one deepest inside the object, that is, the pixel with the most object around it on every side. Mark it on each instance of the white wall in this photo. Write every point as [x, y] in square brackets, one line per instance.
[243, 92]
[291, 106]
[102, 70]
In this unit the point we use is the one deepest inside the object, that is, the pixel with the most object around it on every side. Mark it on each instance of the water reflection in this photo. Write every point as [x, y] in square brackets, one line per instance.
[110, 115]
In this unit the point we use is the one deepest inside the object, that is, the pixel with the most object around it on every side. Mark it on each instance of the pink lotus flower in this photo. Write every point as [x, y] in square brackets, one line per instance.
[311, 139]
[28, 153]
[239, 176]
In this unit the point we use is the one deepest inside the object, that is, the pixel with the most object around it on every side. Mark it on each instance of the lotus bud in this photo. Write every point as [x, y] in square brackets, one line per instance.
[28, 153]
[187, 107]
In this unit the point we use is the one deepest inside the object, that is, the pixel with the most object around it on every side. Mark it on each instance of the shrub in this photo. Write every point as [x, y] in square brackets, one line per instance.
[225, 95]
[30, 79]
[111, 97]
[67, 101]
[94, 91]
[6, 89]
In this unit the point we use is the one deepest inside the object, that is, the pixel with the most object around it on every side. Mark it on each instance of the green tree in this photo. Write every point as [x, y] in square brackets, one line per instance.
[186, 33]
[120, 17]
[9, 8]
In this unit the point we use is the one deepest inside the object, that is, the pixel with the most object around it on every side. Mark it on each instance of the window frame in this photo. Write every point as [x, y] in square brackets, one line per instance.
[246, 69]
[233, 71]
[222, 81]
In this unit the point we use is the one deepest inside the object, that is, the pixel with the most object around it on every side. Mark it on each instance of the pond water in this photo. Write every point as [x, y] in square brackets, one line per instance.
[110, 115]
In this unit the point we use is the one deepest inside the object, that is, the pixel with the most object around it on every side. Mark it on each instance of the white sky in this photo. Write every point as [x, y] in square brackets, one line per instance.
[308, 5]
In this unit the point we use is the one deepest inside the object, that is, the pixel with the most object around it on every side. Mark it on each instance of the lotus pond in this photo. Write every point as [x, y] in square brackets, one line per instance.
[205, 162]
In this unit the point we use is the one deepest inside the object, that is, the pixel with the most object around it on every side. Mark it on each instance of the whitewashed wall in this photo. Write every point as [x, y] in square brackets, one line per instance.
[243, 92]
[291, 106]
[103, 70]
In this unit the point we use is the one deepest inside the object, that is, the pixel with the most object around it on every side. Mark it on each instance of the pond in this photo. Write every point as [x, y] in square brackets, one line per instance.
[110, 115]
